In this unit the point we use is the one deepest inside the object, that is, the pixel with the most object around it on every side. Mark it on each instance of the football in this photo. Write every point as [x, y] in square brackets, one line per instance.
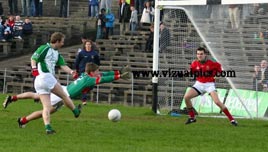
[114, 115]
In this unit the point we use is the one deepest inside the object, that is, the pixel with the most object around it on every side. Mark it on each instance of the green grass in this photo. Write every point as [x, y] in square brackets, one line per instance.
[138, 131]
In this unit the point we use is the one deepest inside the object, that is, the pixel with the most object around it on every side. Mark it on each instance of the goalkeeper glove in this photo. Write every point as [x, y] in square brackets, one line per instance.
[35, 72]
[125, 72]
[125, 69]
[125, 75]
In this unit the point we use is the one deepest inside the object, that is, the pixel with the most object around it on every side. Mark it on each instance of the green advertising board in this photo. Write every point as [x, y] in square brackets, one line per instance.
[249, 98]
[204, 103]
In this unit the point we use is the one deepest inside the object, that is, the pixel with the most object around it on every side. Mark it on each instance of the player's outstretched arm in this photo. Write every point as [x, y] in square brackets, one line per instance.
[109, 73]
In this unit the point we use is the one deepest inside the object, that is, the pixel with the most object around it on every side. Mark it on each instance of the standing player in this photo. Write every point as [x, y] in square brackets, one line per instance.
[43, 63]
[89, 79]
[205, 71]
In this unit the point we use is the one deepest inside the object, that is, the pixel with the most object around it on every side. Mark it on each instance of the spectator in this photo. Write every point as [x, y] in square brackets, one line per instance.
[7, 30]
[2, 39]
[260, 9]
[246, 10]
[1, 9]
[234, 14]
[263, 36]
[63, 8]
[38, 7]
[139, 4]
[94, 6]
[85, 56]
[89, 8]
[256, 77]
[18, 28]
[41, 8]
[32, 8]
[133, 22]
[83, 40]
[13, 7]
[27, 28]
[124, 16]
[164, 37]
[150, 40]
[147, 14]
[101, 28]
[109, 23]
[255, 8]
[24, 7]
[130, 2]
[262, 82]
[11, 22]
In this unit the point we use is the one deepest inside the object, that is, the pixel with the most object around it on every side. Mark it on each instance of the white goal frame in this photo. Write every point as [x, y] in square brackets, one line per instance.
[177, 4]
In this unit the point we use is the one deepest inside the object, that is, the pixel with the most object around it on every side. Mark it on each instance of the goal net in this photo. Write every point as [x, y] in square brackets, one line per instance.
[234, 35]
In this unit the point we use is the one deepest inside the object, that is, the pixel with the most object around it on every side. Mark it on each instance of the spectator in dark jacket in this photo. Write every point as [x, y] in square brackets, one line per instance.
[150, 40]
[87, 55]
[124, 16]
[27, 28]
[101, 28]
[164, 39]
[1, 9]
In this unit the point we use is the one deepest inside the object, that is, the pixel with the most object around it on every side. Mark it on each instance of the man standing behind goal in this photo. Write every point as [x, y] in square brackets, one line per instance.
[204, 83]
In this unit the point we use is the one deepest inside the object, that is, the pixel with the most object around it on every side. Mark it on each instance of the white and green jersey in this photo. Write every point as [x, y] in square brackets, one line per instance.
[47, 58]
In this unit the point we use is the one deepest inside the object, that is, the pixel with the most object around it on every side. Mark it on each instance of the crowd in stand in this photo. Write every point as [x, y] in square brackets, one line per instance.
[132, 14]
[14, 28]
[128, 15]
[28, 7]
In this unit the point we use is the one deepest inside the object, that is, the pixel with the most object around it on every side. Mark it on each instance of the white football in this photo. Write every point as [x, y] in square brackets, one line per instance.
[114, 115]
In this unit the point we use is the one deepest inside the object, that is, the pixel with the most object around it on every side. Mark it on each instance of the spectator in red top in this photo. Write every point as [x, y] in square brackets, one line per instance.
[205, 71]
[11, 22]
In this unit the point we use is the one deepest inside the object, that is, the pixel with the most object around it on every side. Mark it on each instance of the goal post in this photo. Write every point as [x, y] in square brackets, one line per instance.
[155, 57]
[189, 28]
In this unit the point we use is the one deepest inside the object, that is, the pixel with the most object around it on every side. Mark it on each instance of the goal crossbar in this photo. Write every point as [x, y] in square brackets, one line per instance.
[206, 2]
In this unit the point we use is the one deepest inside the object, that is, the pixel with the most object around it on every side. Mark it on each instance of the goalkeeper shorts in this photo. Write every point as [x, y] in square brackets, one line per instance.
[202, 88]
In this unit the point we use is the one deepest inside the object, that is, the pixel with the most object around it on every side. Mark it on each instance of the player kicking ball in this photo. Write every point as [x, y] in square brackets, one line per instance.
[87, 80]
[205, 70]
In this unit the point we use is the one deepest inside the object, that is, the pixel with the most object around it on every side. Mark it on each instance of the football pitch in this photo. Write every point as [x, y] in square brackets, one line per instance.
[139, 130]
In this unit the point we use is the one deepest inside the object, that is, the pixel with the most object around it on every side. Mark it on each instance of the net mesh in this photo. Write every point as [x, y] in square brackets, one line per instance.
[234, 35]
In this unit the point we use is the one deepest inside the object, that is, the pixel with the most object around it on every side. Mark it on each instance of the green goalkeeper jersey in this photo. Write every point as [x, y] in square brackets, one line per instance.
[85, 82]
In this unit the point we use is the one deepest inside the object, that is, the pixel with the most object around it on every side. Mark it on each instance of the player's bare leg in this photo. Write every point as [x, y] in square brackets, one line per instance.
[26, 95]
[45, 100]
[215, 98]
[187, 98]
[35, 115]
[57, 90]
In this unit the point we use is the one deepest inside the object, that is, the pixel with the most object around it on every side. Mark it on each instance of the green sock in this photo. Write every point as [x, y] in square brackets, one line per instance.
[76, 111]
[48, 127]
